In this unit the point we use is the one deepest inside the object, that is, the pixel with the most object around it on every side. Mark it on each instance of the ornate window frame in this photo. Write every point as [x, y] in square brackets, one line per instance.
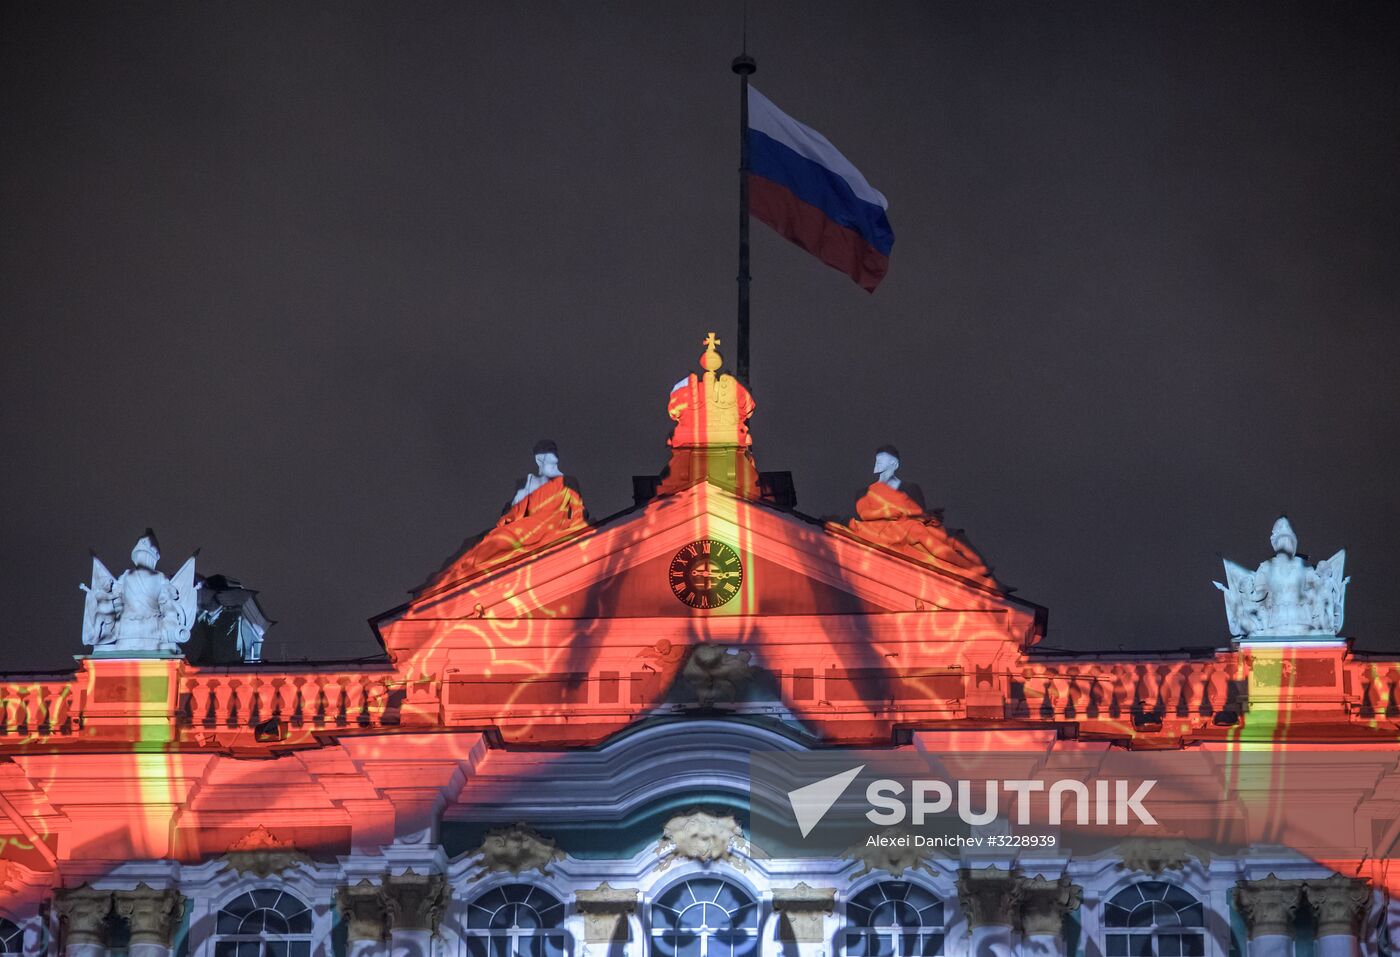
[218, 905]
[466, 934]
[757, 902]
[865, 885]
[1200, 898]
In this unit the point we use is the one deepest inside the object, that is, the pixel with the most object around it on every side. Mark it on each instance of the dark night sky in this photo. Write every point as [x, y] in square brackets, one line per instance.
[301, 284]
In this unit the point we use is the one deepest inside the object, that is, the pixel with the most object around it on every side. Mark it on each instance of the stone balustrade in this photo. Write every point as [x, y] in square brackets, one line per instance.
[210, 699]
[229, 699]
[1122, 690]
[1372, 688]
[36, 707]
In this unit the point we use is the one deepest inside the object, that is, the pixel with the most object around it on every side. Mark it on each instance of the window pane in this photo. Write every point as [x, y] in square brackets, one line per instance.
[1117, 945]
[1192, 916]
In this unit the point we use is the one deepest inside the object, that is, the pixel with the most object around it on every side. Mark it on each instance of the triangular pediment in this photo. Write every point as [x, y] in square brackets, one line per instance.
[625, 568]
[580, 638]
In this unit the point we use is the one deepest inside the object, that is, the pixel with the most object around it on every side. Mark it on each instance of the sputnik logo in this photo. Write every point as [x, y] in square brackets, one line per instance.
[811, 801]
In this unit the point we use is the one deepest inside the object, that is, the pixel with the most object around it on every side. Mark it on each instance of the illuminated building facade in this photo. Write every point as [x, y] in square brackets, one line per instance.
[553, 756]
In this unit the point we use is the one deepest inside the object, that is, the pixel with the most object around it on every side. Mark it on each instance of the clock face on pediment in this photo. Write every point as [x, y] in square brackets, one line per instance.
[705, 574]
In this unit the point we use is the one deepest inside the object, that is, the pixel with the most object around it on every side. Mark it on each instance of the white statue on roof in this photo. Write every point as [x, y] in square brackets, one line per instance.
[546, 468]
[1285, 597]
[142, 611]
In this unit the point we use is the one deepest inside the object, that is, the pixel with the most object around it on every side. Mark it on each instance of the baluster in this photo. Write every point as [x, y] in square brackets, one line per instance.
[12, 709]
[321, 706]
[298, 708]
[199, 702]
[56, 708]
[355, 700]
[243, 697]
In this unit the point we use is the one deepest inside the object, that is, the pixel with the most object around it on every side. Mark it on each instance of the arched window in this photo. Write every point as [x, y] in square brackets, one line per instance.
[705, 917]
[11, 937]
[263, 923]
[515, 920]
[894, 919]
[1154, 919]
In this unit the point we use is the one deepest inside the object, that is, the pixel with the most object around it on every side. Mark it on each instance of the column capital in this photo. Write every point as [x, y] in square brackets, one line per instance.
[415, 901]
[84, 911]
[1268, 905]
[1045, 902]
[363, 907]
[802, 909]
[989, 896]
[605, 910]
[1339, 903]
[153, 914]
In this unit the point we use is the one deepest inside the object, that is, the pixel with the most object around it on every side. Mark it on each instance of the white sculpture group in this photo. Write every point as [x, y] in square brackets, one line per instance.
[1284, 597]
[142, 611]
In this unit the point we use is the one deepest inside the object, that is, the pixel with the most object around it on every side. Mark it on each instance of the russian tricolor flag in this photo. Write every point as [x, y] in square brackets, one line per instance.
[806, 190]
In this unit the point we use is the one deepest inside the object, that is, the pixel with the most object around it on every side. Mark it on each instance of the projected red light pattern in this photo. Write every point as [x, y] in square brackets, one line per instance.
[551, 633]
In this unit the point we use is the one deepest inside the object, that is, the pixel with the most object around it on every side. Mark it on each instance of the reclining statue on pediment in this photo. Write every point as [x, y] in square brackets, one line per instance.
[891, 513]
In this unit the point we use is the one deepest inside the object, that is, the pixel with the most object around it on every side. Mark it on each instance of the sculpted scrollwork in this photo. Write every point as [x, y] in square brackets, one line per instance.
[517, 849]
[698, 836]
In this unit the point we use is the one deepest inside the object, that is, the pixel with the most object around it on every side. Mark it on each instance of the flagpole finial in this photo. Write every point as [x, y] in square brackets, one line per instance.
[744, 65]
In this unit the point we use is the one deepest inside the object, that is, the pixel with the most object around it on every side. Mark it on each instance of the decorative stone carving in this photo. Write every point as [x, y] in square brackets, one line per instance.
[153, 915]
[1339, 903]
[262, 853]
[142, 611]
[802, 909]
[698, 836]
[605, 910]
[717, 672]
[893, 856]
[989, 897]
[1153, 855]
[710, 409]
[84, 911]
[1268, 905]
[517, 849]
[415, 901]
[894, 519]
[551, 511]
[1045, 902]
[1284, 597]
[362, 907]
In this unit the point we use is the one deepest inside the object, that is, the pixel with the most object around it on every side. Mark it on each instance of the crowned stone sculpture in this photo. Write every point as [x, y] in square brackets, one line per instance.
[142, 612]
[1285, 597]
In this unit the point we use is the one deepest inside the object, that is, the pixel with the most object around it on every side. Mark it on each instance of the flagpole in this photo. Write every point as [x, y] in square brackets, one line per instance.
[744, 66]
